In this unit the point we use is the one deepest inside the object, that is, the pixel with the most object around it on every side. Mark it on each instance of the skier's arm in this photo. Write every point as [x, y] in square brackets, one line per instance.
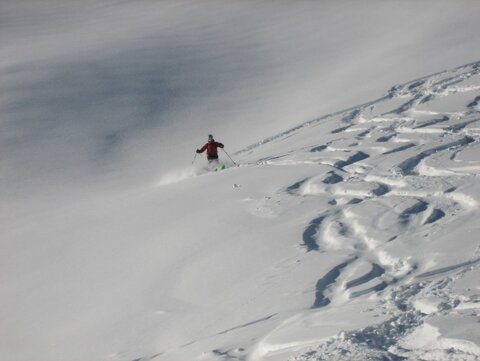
[219, 145]
[202, 149]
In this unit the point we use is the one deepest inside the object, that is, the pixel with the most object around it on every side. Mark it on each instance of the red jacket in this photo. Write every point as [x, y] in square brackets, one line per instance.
[211, 148]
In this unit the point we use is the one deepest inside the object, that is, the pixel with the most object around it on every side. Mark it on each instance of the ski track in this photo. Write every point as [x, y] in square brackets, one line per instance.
[350, 160]
[147, 358]
[408, 213]
[330, 277]
[309, 239]
[376, 271]
[247, 324]
[332, 178]
[448, 269]
[435, 216]
[414, 201]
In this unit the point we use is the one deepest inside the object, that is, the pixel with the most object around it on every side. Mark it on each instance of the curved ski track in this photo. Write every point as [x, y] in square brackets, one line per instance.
[387, 170]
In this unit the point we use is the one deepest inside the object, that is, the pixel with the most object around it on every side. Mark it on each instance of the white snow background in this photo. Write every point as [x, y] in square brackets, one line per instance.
[349, 230]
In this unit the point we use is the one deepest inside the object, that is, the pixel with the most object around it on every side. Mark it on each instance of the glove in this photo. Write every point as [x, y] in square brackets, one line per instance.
[198, 151]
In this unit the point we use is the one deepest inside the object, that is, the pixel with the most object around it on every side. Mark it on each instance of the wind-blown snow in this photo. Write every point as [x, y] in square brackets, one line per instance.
[347, 232]
[178, 175]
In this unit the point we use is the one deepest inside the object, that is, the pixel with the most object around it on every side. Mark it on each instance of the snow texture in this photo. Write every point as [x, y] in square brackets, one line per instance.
[348, 230]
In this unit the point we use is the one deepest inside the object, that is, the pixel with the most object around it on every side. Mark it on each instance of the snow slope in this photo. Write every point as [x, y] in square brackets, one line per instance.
[400, 176]
[114, 91]
[349, 236]
[353, 236]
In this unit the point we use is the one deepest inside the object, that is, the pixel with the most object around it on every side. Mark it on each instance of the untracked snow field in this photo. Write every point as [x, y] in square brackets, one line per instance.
[347, 230]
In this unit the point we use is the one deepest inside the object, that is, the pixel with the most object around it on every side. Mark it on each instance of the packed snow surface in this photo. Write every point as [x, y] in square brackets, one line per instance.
[347, 231]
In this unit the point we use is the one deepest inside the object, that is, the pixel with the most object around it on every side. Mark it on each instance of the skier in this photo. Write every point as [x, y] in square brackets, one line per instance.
[211, 148]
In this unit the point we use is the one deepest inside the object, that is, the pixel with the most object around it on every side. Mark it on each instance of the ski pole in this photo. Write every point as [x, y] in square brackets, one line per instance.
[193, 161]
[229, 157]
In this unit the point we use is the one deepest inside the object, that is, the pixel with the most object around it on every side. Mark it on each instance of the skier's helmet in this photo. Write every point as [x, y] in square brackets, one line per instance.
[210, 137]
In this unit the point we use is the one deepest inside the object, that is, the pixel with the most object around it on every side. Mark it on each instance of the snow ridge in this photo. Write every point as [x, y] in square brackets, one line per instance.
[418, 90]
